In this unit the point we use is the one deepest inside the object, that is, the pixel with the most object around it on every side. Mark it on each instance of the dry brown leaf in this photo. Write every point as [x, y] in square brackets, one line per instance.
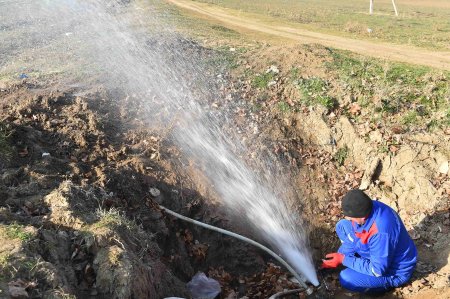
[393, 149]
[397, 130]
[199, 250]
[188, 236]
[355, 108]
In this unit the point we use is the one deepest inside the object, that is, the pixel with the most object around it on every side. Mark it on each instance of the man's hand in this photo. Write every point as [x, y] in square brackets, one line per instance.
[333, 260]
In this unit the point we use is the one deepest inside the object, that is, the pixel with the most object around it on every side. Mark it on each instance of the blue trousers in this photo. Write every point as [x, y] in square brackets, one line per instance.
[359, 282]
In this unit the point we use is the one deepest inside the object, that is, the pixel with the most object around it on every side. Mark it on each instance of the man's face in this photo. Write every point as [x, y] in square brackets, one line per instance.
[360, 221]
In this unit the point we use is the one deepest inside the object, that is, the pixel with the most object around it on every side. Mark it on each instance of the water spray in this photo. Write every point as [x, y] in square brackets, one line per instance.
[113, 40]
[300, 279]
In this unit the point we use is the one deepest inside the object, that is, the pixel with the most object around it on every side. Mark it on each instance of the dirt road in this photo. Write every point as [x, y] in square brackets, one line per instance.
[393, 52]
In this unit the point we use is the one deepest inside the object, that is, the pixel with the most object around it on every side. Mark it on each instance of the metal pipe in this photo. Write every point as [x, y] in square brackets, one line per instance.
[300, 279]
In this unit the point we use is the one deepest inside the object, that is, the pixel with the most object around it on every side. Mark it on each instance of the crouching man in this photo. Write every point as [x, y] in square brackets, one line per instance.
[376, 248]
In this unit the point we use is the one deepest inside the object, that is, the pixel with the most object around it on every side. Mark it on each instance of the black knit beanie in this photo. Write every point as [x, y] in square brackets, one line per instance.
[356, 204]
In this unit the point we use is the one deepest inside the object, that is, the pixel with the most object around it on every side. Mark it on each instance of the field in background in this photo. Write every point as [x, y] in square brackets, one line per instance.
[420, 23]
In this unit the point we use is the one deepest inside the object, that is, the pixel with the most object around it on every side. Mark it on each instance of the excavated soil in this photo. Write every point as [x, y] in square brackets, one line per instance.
[80, 194]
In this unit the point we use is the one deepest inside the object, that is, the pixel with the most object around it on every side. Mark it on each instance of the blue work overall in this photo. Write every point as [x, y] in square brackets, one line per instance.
[379, 254]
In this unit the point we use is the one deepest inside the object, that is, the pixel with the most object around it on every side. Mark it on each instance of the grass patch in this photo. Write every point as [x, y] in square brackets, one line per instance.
[17, 231]
[294, 74]
[222, 58]
[223, 29]
[410, 118]
[262, 80]
[393, 88]
[406, 75]
[387, 106]
[355, 72]
[284, 107]
[446, 120]
[113, 218]
[341, 155]
[315, 91]
[5, 258]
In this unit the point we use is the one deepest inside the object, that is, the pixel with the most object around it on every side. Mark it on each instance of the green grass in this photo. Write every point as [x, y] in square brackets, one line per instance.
[294, 74]
[355, 71]
[446, 120]
[262, 80]
[224, 30]
[406, 75]
[422, 25]
[222, 57]
[410, 118]
[284, 107]
[393, 88]
[4, 259]
[315, 91]
[17, 231]
[341, 155]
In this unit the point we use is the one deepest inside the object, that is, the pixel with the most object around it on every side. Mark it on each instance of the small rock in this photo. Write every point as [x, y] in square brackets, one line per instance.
[417, 284]
[154, 192]
[369, 173]
[444, 167]
[272, 69]
[406, 291]
[3, 85]
[271, 83]
[376, 136]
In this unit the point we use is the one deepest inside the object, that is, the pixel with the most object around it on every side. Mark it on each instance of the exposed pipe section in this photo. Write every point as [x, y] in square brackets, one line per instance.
[300, 279]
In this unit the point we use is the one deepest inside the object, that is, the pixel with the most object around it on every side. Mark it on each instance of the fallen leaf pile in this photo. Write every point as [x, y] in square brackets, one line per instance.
[267, 283]
[195, 249]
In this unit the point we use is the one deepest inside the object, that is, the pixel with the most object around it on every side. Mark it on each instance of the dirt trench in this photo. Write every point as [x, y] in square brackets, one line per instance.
[79, 213]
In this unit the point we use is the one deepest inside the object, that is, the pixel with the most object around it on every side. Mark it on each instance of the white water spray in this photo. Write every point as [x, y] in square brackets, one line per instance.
[111, 37]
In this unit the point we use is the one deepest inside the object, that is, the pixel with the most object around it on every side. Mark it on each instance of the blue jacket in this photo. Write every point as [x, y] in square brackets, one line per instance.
[384, 245]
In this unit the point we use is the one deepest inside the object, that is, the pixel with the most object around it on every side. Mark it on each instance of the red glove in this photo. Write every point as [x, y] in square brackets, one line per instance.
[333, 260]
